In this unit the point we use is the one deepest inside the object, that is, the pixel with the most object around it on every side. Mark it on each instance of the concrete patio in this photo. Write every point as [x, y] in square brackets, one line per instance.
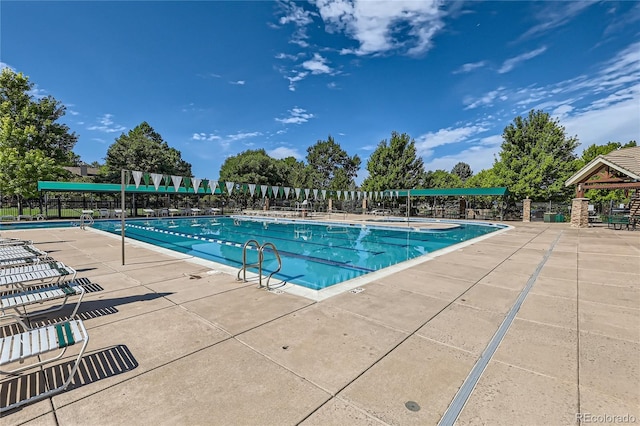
[176, 342]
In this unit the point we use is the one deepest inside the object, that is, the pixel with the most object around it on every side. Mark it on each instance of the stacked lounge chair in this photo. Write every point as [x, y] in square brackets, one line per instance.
[28, 276]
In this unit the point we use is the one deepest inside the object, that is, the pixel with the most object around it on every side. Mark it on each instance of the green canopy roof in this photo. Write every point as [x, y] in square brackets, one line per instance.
[169, 189]
[454, 192]
[115, 187]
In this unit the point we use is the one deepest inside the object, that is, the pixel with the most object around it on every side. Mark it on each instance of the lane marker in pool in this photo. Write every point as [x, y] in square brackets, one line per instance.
[459, 401]
[183, 235]
[238, 245]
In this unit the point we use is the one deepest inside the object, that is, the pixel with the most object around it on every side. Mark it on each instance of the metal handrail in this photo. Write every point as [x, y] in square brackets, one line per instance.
[86, 220]
[244, 260]
[258, 265]
[261, 256]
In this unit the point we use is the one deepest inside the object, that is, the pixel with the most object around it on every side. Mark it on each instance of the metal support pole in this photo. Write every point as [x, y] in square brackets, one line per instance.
[122, 204]
[408, 204]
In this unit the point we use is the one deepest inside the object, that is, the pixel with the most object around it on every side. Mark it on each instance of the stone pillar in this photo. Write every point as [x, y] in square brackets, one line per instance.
[330, 205]
[580, 213]
[266, 204]
[526, 210]
[364, 205]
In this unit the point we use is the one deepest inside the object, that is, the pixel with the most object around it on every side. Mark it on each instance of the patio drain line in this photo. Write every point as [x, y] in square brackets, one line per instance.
[461, 398]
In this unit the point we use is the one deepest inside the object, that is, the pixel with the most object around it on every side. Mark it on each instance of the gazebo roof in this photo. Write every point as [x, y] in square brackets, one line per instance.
[625, 161]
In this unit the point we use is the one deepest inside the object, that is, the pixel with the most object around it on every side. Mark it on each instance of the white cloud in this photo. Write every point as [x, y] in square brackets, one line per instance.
[299, 76]
[300, 18]
[477, 157]
[485, 100]
[107, 125]
[426, 142]
[296, 116]
[616, 123]
[465, 68]
[241, 136]
[511, 63]
[284, 152]
[384, 26]
[238, 83]
[317, 65]
[205, 137]
[555, 14]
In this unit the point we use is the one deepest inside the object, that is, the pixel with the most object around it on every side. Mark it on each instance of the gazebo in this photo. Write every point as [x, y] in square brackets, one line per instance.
[617, 170]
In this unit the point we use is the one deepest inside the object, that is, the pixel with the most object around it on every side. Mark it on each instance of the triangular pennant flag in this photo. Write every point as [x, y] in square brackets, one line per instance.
[353, 195]
[306, 192]
[315, 194]
[297, 192]
[339, 195]
[196, 184]
[213, 185]
[263, 190]
[252, 188]
[286, 191]
[275, 191]
[145, 177]
[324, 194]
[230, 186]
[156, 178]
[176, 182]
[187, 183]
[137, 177]
[167, 181]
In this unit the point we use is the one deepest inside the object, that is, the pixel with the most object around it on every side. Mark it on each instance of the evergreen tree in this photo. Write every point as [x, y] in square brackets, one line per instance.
[537, 158]
[395, 165]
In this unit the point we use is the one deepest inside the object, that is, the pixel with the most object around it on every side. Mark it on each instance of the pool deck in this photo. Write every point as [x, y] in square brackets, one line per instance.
[172, 343]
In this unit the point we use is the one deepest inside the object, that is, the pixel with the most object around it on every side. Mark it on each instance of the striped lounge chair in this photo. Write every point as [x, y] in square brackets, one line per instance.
[32, 345]
[22, 286]
[17, 255]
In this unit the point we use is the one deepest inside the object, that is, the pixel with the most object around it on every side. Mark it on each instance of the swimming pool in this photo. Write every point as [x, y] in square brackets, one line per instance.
[314, 255]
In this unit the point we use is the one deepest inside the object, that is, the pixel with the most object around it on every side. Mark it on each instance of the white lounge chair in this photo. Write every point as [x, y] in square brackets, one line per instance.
[19, 300]
[16, 255]
[41, 273]
[31, 344]
[13, 242]
[149, 212]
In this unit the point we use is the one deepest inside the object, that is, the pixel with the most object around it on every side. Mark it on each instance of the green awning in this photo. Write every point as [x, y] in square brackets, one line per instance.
[454, 192]
[115, 187]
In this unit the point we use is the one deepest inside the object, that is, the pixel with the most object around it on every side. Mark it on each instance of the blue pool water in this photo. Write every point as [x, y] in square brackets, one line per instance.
[314, 255]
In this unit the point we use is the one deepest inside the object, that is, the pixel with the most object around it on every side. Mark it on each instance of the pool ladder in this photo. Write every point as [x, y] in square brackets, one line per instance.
[260, 248]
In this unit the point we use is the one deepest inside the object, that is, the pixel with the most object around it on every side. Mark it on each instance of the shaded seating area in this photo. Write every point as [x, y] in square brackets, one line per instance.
[619, 169]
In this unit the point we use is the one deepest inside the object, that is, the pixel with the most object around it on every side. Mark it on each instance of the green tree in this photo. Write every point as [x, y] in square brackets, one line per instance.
[594, 150]
[143, 149]
[536, 158]
[251, 166]
[294, 173]
[21, 172]
[395, 165]
[442, 179]
[486, 178]
[330, 166]
[462, 170]
[33, 146]
[29, 124]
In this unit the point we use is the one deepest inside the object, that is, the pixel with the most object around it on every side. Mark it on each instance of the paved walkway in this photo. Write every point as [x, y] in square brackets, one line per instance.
[174, 342]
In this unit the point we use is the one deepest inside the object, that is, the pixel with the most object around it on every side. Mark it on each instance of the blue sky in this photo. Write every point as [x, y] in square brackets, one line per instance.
[216, 78]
